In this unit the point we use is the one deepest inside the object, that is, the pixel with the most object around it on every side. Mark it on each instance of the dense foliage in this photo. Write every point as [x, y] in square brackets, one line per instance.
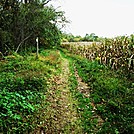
[23, 86]
[71, 38]
[22, 22]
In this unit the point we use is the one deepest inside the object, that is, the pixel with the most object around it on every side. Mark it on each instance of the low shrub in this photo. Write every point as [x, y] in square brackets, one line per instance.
[111, 94]
[23, 87]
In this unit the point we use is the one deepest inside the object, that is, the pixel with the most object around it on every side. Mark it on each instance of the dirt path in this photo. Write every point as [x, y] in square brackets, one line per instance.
[82, 86]
[62, 114]
[85, 90]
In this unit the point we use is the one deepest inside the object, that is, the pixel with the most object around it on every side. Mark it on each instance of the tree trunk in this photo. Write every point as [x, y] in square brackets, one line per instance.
[22, 43]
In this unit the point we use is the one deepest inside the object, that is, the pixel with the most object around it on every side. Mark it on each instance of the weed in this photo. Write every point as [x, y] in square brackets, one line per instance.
[111, 95]
[23, 87]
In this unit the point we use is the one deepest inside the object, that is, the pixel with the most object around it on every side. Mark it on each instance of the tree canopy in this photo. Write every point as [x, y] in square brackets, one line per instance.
[22, 21]
[88, 37]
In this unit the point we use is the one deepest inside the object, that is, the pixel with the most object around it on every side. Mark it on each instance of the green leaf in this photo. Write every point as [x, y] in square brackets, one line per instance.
[16, 116]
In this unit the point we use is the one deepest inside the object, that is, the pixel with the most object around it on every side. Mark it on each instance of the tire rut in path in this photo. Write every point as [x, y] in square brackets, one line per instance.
[86, 90]
[61, 116]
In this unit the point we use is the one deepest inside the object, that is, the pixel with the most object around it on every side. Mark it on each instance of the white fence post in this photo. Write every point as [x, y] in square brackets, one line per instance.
[37, 52]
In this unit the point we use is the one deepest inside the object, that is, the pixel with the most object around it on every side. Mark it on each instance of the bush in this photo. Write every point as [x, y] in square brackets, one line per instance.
[23, 87]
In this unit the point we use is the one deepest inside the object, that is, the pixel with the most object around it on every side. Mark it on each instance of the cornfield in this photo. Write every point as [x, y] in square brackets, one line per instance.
[118, 53]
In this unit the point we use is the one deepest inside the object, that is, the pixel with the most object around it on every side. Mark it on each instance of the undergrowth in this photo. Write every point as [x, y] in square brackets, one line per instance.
[111, 94]
[23, 85]
[24, 81]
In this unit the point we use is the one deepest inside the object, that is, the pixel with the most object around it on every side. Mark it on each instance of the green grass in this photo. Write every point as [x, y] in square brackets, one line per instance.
[25, 80]
[84, 107]
[111, 93]
[23, 85]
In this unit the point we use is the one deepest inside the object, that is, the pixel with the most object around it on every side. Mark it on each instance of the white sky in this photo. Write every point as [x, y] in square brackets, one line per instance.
[105, 18]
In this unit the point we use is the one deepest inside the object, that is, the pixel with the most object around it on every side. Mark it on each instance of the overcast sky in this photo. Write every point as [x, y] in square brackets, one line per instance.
[105, 18]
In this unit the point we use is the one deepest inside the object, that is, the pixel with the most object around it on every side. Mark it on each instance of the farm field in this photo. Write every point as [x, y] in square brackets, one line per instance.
[84, 43]
[117, 53]
[61, 79]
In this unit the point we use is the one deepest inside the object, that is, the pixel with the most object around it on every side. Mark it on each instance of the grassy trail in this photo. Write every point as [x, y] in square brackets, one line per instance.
[62, 116]
[61, 93]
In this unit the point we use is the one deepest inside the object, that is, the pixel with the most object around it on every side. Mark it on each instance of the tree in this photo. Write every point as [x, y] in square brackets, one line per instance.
[21, 21]
[8, 13]
[91, 37]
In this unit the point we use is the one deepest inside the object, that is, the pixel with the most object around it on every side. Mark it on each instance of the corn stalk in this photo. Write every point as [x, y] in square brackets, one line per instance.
[117, 53]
